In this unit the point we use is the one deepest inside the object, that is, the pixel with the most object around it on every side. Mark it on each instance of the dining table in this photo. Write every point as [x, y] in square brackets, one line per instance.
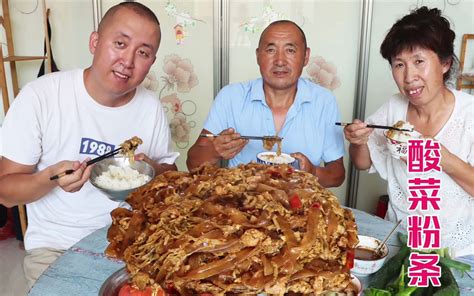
[84, 267]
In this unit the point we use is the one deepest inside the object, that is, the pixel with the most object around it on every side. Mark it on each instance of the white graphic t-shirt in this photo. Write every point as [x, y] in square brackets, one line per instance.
[55, 119]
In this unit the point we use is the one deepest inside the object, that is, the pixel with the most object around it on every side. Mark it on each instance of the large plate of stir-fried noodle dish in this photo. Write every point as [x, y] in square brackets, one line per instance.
[252, 229]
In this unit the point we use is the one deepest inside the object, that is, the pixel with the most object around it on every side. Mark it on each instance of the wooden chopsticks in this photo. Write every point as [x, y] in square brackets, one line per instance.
[245, 137]
[92, 161]
[378, 126]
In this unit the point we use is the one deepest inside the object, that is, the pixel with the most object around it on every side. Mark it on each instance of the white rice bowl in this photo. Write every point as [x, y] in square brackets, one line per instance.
[398, 143]
[121, 178]
[401, 136]
[272, 158]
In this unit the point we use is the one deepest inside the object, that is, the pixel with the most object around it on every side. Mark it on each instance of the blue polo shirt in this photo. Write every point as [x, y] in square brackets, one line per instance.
[309, 126]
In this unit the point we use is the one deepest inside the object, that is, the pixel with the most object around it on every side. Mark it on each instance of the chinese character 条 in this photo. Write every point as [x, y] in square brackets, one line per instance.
[423, 269]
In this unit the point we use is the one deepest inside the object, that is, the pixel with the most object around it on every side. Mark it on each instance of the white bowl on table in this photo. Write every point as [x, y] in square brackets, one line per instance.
[357, 284]
[364, 265]
[142, 167]
[271, 158]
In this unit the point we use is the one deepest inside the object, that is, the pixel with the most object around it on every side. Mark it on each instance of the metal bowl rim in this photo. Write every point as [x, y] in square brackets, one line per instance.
[117, 275]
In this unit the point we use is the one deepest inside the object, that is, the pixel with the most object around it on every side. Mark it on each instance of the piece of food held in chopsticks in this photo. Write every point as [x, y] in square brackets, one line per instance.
[404, 132]
[126, 148]
[397, 140]
[269, 142]
[244, 230]
[130, 146]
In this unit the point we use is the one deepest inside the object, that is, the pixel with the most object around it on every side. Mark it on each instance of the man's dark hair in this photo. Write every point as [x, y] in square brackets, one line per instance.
[138, 8]
[425, 28]
[284, 22]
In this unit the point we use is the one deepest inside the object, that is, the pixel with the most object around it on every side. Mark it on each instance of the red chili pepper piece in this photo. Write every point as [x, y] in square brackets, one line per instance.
[275, 174]
[295, 202]
[316, 205]
[350, 258]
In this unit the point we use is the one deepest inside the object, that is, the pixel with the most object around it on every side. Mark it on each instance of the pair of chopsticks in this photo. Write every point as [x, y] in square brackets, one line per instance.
[378, 126]
[92, 161]
[245, 137]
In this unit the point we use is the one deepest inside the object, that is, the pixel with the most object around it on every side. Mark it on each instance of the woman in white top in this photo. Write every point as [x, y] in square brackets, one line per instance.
[420, 50]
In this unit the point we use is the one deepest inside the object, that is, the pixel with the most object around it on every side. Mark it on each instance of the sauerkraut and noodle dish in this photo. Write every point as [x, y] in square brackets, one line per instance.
[245, 230]
[129, 146]
[270, 141]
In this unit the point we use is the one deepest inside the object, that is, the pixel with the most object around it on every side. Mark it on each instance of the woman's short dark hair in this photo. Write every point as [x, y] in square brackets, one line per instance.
[425, 28]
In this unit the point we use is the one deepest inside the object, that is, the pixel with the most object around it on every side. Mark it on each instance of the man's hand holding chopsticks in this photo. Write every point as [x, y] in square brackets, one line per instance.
[22, 184]
[213, 148]
[228, 144]
[72, 182]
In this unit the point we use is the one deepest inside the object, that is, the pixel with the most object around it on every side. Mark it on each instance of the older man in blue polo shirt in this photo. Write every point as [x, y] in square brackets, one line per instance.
[280, 103]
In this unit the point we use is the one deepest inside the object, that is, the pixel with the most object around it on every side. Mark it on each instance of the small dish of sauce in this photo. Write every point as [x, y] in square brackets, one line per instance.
[362, 253]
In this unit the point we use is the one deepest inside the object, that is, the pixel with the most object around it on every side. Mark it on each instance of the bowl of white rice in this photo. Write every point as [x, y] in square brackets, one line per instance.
[271, 158]
[117, 177]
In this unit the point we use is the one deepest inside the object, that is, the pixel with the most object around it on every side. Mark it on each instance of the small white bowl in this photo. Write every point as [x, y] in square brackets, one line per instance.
[397, 148]
[366, 267]
[271, 158]
[357, 283]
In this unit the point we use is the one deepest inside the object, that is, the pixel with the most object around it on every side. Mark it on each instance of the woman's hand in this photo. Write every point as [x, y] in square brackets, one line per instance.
[357, 133]
[446, 158]
[460, 171]
[228, 143]
[72, 182]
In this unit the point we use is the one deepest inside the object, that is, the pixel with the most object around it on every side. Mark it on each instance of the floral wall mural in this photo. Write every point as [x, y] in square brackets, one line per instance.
[179, 78]
[180, 74]
[323, 73]
[150, 81]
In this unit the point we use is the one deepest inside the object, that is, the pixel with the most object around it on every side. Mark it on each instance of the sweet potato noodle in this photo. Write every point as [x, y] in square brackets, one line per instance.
[245, 230]
[129, 146]
[269, 142]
